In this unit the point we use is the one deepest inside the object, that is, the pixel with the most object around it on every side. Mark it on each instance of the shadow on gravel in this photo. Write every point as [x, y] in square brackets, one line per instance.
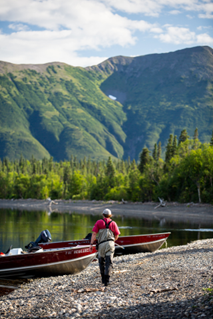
[165, 310]
[200, 307]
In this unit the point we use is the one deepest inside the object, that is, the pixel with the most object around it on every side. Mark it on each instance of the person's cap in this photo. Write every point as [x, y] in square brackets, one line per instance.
[107, 212]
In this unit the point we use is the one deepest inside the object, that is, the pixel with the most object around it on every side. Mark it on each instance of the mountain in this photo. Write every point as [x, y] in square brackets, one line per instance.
[162, 94]
[58, 110]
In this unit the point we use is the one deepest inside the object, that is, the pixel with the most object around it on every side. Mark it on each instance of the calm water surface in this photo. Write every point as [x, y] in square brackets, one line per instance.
[18, 228]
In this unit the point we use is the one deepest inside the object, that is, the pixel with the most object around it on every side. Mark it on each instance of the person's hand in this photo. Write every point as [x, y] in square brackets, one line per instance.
[90, 248]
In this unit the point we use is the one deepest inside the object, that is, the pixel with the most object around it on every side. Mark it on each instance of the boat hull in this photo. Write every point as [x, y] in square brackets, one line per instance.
[71, 257]
[139, 248]
[132, 244]
[46, 263]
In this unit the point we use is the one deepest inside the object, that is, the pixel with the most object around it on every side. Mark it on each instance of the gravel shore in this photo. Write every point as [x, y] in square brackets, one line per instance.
[169, 283]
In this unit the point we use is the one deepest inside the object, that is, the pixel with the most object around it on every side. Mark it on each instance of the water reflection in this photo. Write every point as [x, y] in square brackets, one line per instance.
[18, 227]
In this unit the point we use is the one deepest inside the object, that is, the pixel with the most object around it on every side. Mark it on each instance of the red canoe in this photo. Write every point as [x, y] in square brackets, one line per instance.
[131, 244]
[48, 262]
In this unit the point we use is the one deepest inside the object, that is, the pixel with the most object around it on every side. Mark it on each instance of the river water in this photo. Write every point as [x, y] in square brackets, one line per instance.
[18, 228]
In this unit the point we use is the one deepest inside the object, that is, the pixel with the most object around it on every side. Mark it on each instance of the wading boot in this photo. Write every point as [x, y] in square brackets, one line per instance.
[106, 280]
[103, 278]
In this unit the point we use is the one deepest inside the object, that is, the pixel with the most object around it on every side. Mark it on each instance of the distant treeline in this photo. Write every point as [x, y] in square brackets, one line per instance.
[185, 175]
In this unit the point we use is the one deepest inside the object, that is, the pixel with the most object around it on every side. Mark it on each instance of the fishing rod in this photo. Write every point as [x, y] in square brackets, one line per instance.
[119, 246]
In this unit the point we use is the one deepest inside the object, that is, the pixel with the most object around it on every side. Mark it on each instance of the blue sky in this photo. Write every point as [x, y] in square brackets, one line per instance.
[86, 32]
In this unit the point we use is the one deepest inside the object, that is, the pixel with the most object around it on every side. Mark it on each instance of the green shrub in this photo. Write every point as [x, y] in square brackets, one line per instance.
[117, 193]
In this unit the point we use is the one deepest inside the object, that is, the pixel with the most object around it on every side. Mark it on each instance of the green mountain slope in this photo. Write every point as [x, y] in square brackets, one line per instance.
[162, 94]
[58, 110]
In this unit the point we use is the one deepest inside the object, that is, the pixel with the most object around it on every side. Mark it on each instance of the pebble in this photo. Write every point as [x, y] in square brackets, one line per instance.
[169, 283]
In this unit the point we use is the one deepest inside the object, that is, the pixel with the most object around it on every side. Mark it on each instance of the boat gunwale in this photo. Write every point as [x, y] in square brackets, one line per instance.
[80, 240]
[50, 250]
[49, 264]
[169, 233]
[145, 243]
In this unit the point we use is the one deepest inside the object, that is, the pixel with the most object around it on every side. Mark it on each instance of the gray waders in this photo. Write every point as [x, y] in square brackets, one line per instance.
[106, 250]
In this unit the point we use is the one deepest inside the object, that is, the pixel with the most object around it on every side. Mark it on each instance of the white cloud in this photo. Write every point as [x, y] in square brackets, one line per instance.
[204, 39]
[178, 35]
[207, 15]
[51, 14]
[31, 47]
[207, 9]
[174, 12]
[147, 7]
[18, 27]
[200, 28]
[156, 30]
[154, 7]
[72, 26]
[71, 14]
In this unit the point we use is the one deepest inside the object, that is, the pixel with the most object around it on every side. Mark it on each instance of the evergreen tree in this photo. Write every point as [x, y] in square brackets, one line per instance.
[159, 151]
[183, 136]
[196, 140]
[174, 146]
[71, 161]
[75, 164]
[66, 176]
[89, 164]
[155, 153]
[195, 137]
[123, 168]
[133, 165]
[144, 159]
[33, 165]
[110, 169]
[128, 164]
[22, 164]
[45, 165]
[81, 165]
[169, 149]
[84, 163]
[211, 141]
[110, 172]
[39, 168]
[6, 164]
[96, 169]
[50, 164]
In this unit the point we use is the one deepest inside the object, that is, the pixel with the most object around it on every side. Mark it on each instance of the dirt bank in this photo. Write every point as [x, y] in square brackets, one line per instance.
[172, 211]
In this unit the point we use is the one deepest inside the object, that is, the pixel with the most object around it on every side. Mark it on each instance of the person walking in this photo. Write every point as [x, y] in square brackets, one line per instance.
[108, 232]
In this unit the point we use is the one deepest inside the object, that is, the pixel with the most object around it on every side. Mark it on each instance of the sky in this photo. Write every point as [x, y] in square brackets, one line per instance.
[87, 32]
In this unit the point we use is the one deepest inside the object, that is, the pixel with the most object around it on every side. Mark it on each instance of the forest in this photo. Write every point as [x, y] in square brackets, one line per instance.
[185, 175]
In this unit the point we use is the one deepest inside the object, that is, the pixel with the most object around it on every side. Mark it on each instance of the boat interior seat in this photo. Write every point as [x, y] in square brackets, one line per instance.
[15, 251]
[39, 251]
